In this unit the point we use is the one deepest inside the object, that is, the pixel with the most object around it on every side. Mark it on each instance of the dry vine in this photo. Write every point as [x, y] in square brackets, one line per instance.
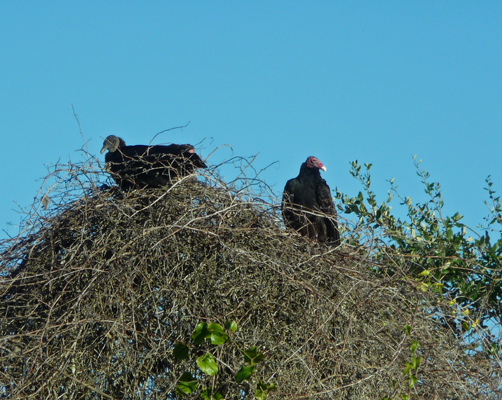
[96, 291]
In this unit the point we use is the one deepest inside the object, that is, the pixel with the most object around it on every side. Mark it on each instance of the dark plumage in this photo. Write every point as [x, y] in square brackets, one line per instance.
[307, 205]
[148, 166]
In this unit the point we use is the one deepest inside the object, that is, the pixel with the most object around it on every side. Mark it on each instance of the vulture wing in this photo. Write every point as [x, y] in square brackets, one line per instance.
[298, 202]
[152, 166]
[326, 226]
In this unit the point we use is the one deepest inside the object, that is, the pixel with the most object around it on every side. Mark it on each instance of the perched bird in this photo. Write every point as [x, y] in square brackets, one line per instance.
[307, 205]
[148, 166]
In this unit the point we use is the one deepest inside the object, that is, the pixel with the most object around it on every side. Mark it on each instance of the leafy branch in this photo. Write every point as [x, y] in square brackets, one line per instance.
[216, 335]
[439, 252]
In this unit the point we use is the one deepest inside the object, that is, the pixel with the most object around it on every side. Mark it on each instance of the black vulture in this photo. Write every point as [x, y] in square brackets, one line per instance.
[307, 205]
[148, 166]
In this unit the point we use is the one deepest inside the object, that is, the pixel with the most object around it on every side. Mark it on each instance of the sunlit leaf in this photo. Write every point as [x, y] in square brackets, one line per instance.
[414, 346]
[232, 326]
[214, 327]
[423, 286]
[408, 368]
[207, 364]
[413, 380]
[216, 334]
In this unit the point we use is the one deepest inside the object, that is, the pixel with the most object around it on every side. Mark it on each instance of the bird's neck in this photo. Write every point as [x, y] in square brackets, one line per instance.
[311, 173]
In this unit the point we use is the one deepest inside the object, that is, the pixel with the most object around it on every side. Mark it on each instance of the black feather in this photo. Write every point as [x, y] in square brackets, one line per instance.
[307, 205]
[148, 166]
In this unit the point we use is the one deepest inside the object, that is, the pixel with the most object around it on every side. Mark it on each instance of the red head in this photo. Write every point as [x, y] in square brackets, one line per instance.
[313, 162]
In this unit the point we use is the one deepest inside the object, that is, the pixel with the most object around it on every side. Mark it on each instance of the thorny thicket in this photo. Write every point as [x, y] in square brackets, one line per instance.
[97, 289]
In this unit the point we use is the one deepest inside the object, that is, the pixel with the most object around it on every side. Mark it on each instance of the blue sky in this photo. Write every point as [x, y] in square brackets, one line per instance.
[376, 82]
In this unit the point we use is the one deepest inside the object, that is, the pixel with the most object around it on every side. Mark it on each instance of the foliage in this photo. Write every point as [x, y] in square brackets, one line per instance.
[440, 251]
[214, 334]
[438, 254]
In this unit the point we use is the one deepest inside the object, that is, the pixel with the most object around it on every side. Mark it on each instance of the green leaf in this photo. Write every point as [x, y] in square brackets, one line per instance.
[180, 351]
[413, 380]
[244, 373]
[207, 364]
[425, 273]
[252, 357]
[200, 333]
[408, 330]
[208, 394]
[218, 338]
[424, 286]
[186, 384]
[408, 368]
[414, 345]
[216, 334]
[449, 235]
[262, 390]
[231, 326]
[416, 362]
[214, 327]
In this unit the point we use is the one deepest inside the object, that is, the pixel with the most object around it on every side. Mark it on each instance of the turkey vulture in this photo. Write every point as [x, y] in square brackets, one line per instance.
[148, 166]
[307, 205]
